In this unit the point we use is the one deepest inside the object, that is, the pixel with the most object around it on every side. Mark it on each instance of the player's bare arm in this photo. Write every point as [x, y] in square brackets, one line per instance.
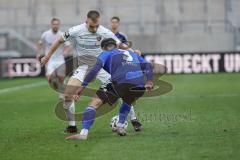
[53, 48]
[39, 48]
[67, 49]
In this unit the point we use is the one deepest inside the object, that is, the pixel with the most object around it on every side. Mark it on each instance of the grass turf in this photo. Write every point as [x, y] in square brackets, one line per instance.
[199, 119]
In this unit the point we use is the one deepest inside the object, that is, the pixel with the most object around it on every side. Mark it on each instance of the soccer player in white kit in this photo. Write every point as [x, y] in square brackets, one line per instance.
[86, 39]
[55, 69]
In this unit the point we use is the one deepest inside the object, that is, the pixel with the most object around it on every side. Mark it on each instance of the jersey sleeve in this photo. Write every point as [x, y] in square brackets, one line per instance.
[125, 41]
[110, 34]
[146, 67]
[42, 39]
[124, 38]
[71, 33]
[103, 57]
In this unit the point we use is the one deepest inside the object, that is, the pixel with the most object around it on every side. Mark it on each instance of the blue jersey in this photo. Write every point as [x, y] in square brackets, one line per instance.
[124, 66]
[121, 37]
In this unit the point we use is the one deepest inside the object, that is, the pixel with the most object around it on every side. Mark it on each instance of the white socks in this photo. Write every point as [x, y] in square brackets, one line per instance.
[132, 114]
[83, 134]
[70, 110]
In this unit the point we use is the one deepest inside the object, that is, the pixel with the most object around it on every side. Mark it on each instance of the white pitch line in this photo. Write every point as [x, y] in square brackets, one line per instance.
[26, 86]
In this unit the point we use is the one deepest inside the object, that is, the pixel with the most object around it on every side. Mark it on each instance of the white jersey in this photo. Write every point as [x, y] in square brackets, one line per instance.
[87, 43]
[47, 39]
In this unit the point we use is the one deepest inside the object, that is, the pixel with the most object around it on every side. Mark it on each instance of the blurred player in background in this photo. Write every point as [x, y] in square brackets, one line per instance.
[115, 23]
[86, 39]
[54, 73]
[128, 71]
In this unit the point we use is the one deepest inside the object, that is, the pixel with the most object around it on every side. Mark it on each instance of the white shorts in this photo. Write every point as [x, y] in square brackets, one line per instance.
[57, 68]
[81, 71]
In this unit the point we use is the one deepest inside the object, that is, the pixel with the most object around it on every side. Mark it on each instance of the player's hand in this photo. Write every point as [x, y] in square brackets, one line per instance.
[130, 44]
[78, 93]
[149, 85]
[44, 60]
[138, 52]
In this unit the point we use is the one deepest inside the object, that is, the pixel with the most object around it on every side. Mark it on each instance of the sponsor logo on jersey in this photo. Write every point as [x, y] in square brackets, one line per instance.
[99, 38]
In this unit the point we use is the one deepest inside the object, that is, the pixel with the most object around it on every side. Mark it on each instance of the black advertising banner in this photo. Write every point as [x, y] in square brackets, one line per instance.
[196, 62]
[185, 63]
[20, 67]
[26, 67]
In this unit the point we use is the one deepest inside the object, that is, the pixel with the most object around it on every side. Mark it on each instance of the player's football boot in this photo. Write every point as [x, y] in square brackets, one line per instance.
[136, 125]
[81, 136]
[121, 130]
[71, 129]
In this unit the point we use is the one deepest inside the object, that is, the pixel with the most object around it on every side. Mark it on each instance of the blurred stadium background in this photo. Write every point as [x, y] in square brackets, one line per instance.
[188, 36]
[166, 25]
[155, 26]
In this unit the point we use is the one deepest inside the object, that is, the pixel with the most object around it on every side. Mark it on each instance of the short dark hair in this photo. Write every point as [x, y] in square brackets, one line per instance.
[116, 18]
[93, 15]
[55, 19]
[108, 42]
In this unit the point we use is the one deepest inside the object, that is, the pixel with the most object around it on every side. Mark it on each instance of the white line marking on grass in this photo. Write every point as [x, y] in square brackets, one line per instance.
[25, 86]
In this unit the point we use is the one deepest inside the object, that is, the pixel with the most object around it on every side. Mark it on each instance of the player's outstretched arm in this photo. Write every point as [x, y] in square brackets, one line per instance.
[147, 67]
[38, 50]
[67, 50]
[123, 46]
[53, 48]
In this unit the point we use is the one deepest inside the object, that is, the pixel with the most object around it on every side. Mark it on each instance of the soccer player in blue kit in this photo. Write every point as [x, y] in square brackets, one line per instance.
[115, 23]
[128, 71]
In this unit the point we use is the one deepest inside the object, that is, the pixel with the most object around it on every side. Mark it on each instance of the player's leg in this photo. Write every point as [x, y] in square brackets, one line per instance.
[61, 73]
[89, 116]
[129, 97]
[74, 82]
[49, 73]
[134, 120]
[105, 77]
[60, 89]
[123, 113]
[55, 74]
[105, 94]
[69, 105]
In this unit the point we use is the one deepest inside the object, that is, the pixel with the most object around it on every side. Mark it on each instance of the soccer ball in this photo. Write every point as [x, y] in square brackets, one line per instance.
[114, 122]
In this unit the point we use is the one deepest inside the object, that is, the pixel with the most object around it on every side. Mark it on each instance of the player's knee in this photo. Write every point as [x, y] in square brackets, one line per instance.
[67, 104]
[96, 103]
[49, 79]
[68, 97]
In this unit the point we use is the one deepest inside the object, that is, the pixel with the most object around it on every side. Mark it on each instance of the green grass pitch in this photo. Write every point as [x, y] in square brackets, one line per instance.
[198, 119]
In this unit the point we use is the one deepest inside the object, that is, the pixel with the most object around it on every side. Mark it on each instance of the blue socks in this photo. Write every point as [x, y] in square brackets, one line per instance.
[123, 112]
[90, 113]
[88, 117]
